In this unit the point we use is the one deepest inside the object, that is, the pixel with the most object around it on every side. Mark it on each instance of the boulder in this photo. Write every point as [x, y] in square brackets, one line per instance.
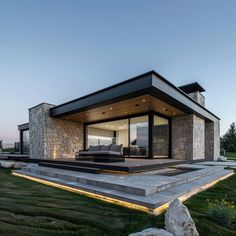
[7, 164]
[178, 220]
[18, 165]
[152, 232]
[222, 158]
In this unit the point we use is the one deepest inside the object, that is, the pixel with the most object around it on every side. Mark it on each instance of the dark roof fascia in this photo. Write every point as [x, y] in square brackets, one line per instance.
[126, 89]
[108, 88]
[180, 97]
[24, 126]
[145, 83]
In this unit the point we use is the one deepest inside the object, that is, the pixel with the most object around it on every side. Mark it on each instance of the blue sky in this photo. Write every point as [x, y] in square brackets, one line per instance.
[54, 51]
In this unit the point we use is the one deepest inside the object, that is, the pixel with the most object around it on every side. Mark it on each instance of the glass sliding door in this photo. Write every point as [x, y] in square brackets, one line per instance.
[160, 137]
[25, 142]
[139, 136]
[133, 134]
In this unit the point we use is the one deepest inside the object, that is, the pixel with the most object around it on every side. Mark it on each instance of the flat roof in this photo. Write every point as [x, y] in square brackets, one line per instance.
[149, 83]
[192, 87]
[24, 126]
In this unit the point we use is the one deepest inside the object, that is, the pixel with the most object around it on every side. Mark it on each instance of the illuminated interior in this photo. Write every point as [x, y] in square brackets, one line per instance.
[133, 134]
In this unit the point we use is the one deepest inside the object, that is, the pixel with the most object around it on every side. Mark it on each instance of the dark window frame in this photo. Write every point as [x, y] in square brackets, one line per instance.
[150, 115]
[22, 141]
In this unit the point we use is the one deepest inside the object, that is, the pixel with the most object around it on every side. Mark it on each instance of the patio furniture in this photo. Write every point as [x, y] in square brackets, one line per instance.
[102, 153]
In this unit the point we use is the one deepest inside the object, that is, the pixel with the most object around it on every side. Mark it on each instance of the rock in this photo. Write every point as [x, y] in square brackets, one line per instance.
[18, 165]
[7, 164]
[178, 220]
[152, 232]
[222, 158]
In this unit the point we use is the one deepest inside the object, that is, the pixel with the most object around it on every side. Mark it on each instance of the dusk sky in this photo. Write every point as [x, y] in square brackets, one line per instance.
[55, 51]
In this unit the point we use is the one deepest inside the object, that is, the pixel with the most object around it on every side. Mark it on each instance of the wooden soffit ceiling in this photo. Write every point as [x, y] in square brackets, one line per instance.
[127, 107]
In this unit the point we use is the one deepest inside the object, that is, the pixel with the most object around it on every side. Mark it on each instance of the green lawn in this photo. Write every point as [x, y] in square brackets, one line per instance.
[231, 155]
[29, 208]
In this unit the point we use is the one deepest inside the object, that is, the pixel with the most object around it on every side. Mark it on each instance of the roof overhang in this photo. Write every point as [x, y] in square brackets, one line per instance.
[191, 88]
[149, 83]
[23, 127]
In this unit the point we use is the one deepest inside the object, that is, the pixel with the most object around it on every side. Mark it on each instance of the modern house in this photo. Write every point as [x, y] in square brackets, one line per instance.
[148, 115]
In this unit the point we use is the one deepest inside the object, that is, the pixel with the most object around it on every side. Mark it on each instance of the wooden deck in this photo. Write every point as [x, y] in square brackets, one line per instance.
[129, 166]
[15, 157]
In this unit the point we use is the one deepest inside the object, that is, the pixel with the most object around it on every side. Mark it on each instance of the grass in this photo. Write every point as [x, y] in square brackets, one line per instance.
[198, 207]
[29, 208]
[229, 155]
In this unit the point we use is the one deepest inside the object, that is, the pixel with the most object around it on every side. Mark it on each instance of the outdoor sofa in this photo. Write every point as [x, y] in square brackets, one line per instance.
[102, 153]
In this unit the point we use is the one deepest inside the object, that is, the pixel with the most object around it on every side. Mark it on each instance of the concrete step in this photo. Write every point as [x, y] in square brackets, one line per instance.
[152, 202]
[139, 184]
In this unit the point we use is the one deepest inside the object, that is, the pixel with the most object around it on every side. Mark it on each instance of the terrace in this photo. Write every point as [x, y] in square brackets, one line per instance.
[150, 189]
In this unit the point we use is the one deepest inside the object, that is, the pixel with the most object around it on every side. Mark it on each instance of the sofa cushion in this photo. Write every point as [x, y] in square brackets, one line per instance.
[94, 148]
[116, 148]
[87, 153]
[106, 148]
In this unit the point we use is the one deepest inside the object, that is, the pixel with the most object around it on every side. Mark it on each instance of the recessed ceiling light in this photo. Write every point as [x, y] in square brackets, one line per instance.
[174, 113]
[144, 100]
[111, 108]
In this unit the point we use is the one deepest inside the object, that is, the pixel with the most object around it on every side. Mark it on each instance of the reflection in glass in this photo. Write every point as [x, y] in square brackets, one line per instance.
[160, 137]
[139, 136]
[133, 133]
[25, 143]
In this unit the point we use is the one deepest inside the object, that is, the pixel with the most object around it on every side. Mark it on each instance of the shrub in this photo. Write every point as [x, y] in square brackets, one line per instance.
[221, 212]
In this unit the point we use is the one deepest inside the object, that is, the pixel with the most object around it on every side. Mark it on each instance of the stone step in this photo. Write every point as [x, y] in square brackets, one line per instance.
[70, 167]
[139, 184]
[101, 180]
[151, 202]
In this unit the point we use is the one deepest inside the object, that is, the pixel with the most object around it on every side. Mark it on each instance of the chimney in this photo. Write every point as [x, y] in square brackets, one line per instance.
[194, 90]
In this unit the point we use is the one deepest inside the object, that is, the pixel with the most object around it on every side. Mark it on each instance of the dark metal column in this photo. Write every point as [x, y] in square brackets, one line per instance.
[150, 136]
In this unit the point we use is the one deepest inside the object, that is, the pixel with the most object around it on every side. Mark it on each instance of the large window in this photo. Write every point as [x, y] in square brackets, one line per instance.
[139, 136]
[160, 137]
[133, 134]
[25, 142]
[112, 132]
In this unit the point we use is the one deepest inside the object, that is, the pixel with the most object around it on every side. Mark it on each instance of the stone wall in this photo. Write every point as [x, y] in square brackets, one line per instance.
[52, 137]
[182, 137]
[161, 140]
[36, 131]
[198, 97]
[188, 138]
[212, 134]
[198, 138]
